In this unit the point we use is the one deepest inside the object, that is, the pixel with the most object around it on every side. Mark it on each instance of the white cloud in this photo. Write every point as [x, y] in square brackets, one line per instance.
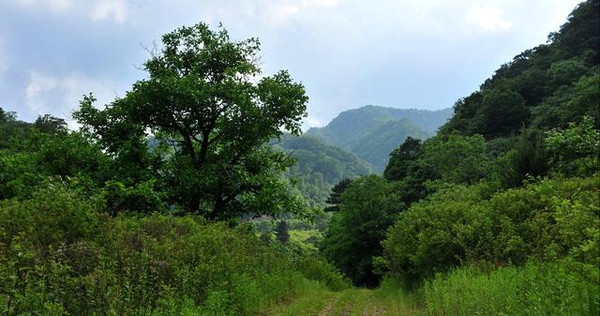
[311, 121]
[53, 5]
[60, 95]
[321, 3]
[97, 10]
[107, 9]
[279, 15]
[488, 18]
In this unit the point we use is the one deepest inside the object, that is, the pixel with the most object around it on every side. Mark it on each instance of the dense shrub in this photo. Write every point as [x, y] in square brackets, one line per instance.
[314, 268]
[59, 256]
[547, 220]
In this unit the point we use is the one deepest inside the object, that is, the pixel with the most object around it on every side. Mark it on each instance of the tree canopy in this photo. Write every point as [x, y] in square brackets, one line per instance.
[211, 113]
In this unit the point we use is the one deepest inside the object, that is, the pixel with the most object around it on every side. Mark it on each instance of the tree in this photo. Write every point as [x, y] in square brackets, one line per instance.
[401, 158]
[212, 113]
[502, 112]
[369, 206]
[282, 232]
[335, 198]
[51, 125]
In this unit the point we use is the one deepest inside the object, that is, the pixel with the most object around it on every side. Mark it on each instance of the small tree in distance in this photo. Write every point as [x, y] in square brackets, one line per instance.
[282, 232]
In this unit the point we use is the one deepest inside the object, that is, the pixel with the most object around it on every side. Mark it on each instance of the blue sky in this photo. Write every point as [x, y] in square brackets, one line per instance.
[406, 54]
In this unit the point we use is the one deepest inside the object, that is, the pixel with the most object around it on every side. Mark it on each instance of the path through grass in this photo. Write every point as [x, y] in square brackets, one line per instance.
[314, 300]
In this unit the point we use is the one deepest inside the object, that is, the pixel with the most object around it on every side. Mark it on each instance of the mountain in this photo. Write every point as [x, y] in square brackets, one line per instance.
[372, 132]
[319, 166]
[548, 86]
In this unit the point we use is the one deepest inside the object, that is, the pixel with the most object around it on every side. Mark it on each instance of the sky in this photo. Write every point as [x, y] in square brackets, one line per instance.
[398, 53]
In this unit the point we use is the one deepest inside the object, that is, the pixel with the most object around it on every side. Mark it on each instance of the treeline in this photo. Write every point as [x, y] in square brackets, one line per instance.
[509, 185]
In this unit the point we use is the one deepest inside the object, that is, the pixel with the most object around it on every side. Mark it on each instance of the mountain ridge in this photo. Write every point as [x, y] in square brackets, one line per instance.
[372, 132]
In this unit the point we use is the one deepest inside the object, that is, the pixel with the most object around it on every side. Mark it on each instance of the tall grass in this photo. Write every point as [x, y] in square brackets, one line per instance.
[58, 256]
[534, 289]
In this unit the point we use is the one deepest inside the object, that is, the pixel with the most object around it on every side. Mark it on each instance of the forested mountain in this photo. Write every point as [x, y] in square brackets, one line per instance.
[319, 166]
[547, 86]
[372, 132]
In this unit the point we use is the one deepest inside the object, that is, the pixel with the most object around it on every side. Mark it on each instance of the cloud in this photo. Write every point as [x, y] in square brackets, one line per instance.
[53, 5]
[311, 121]
[321, 3]
[98, 10]
[279, 15]
[59, 95]
[107, 9]
[488, 18]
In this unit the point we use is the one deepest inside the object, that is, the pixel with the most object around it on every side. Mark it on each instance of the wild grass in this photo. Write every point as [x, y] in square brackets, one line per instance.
[534, 289]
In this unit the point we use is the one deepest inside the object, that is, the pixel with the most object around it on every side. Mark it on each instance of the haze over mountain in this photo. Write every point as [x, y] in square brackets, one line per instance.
[372, 132]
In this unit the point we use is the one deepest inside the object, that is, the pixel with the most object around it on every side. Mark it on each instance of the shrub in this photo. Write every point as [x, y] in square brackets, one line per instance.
[545, 220]
[59, 256]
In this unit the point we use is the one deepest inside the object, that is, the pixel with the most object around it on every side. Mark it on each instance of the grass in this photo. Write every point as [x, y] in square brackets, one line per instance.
[534, 289]
[316, 300]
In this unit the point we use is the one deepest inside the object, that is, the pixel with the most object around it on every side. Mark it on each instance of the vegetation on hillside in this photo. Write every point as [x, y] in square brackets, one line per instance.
[319, 166]
[372, 132]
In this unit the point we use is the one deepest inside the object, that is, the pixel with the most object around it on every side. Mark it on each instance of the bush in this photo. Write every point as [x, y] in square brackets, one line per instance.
[547, 220]
[58, 256]
[318, 269]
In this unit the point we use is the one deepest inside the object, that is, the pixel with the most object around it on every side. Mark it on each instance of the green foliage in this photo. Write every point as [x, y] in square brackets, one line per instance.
[64, 155]
[12, 131]
[281, 231]
[369, 205]
[401, 158]
[142, 198]
[319, 166]
[457, 159]
[315, 268]
[575, 150]
[548, 86]
[459, 224]
[450, 159]
[502, 112]
[526, 158]
[372, 132]
[534, 289]
[205, 102]
[335, 198]
[58, 255]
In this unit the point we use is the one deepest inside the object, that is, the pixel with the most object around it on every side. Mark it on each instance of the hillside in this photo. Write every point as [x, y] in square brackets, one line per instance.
[372, 132]
[548, 86]
[319, 166]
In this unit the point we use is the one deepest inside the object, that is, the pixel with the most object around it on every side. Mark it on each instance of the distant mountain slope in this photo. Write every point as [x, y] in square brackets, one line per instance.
[319, 165]
[372, 132]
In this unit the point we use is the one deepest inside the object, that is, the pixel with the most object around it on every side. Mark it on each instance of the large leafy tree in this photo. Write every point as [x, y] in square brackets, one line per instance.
[210, 111]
